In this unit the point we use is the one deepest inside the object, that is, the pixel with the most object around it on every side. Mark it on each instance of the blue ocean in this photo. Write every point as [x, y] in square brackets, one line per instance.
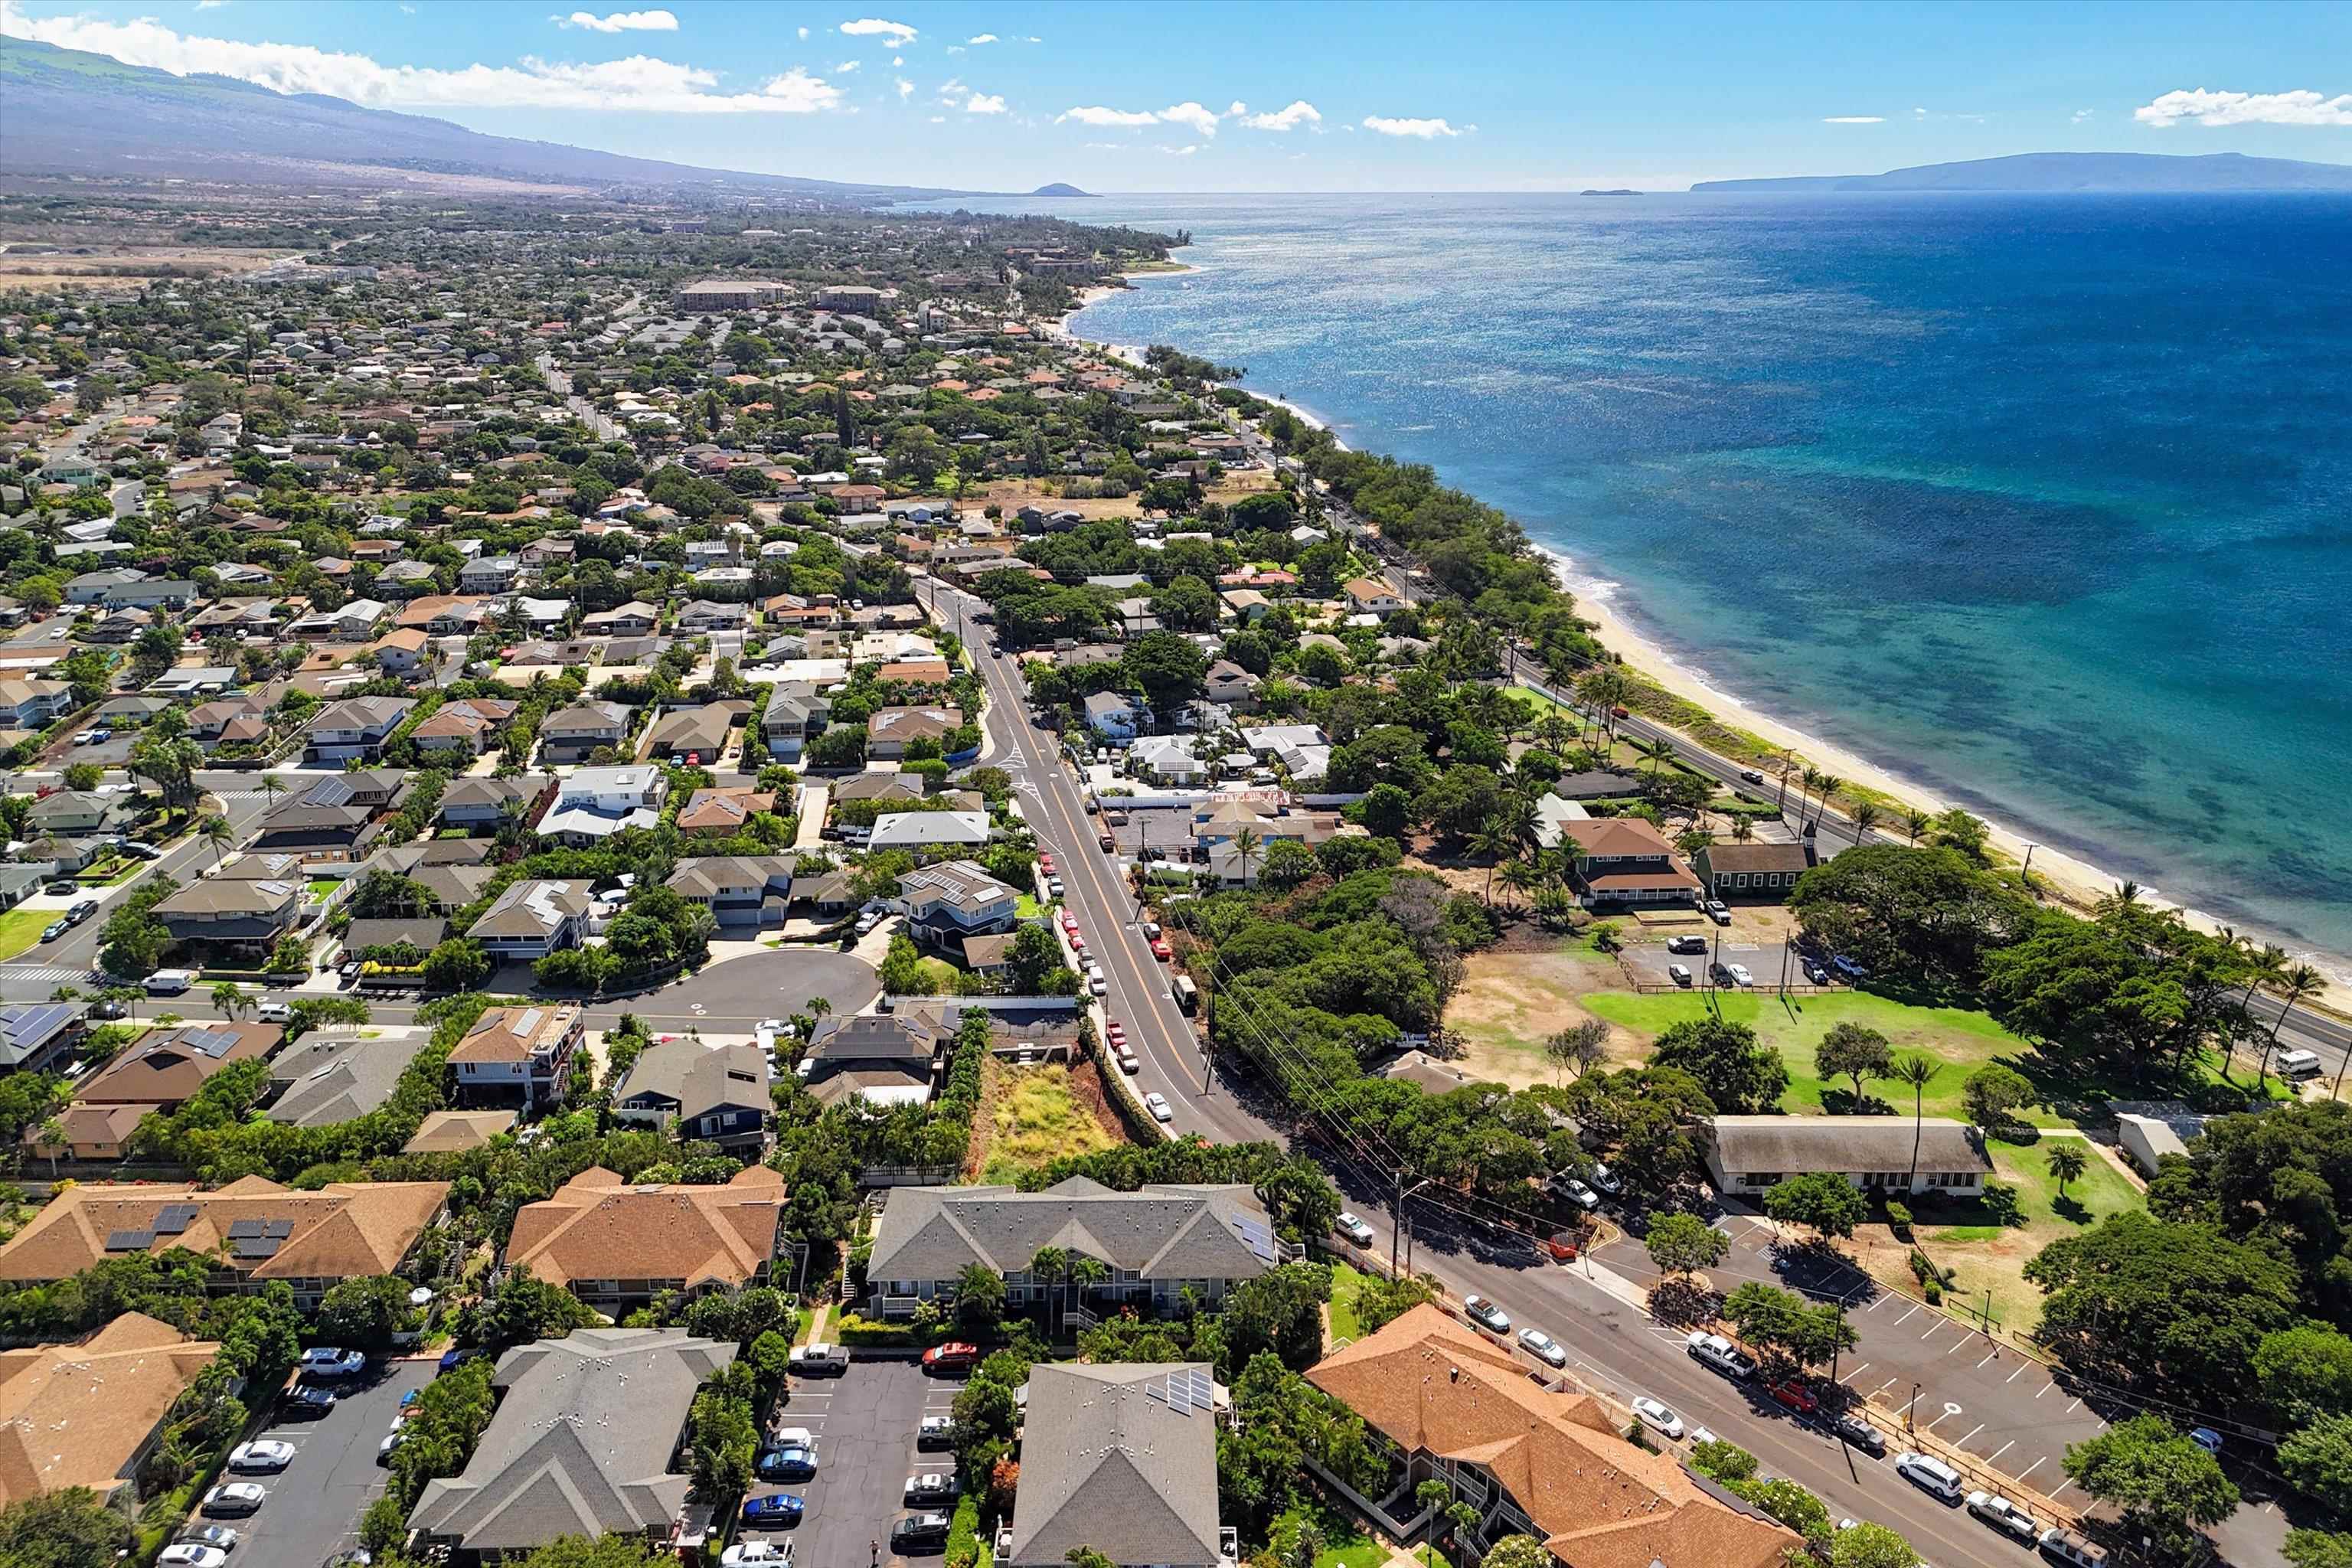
[2042, 502]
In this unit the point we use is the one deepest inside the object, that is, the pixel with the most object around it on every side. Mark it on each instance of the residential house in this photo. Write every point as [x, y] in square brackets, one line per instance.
[459, 1131]
[1114, 715]
[1121, 1461]
[588, 1440]
[165, 1066]
[596, 803]
[88, 1414]
[1600, 784]
[891, 730]
[1229, 684]
[532, 918]
[354, 727]
[81, 813]
[1747, 1154]
[719, 1093]
[635, 620]
[724, 812]
[35, 1035]
[880, 1058]
[464, 726]
[886, 785]
[401, 651]
[737, 890]
[519, 1055]
[1459, 1408]
[34, 704]
[340, 1075]
[1624, 860]
[478, 804]
[1158, 1241]
[930, 831]
[417, 934]
[1732, 871]
[239, 721]
[616, 1244]
[573, 734]
[253, 1230]
[353, 622]
[235, 914]
[711, 615]
[1366, 597]
[697, 733]
[341, 813]
[488, 574]
[1168, 759]
[949, 904]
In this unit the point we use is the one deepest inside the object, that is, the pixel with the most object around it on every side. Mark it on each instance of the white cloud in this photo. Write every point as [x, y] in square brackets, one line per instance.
[617, 22]
[984, 103]
[1098, 115]
[1035, 39]
[2081, 115]
[874, 27]
[1427, 129]
[1299, 113]
[906, 89]
[2209, 108]
[845, 67]
[1236, 108]
[939, 120]
[639, 82]
[1854, 120]
[406, 9]
[1180, 151]
[897, 60]
[210, 4]
[803, 33]
[1201, 120]
[982, 38]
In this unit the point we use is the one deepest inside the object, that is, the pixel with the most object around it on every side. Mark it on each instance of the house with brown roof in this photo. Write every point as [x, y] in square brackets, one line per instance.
[168, 1066]
[464, 726]
[517, 1056]
[85, 1415]
[890, 731]
[457, 1132]
[1624, 860]
[400, 650]
[252, 1230]
[725, 812]
[611, 1242]
[1534, 1461]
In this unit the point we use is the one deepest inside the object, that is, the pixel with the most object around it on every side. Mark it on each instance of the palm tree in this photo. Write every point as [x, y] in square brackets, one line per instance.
[1829, 783]
[1813, 776]
[1086, 1274]
[2265, 965]
[1658, 751]
[1743, 828]
[220, 836]
[1865, 817]
[53, 1142]
[2125, 897]
[1915, 823]
[2067, 1162]
[1246, 844]
[229, 998]
[1522, 821]
[1046, 1265]
[1918, 1072]
[1490, 840]
[818, 1006]
[1521, 876]
[271, 788]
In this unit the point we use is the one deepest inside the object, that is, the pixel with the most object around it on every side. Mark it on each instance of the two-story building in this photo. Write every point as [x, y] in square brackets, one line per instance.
[737, 890]
[596, 803]
[719, 1093]
[891, 730]
[953, 902]
[34, 704]
[231, 914]
[796, 713]
[354, 727]
[617, 1243]
[573, 734]
[463, 727]
[517, 1056]
[1114, 715]
[1624, 860]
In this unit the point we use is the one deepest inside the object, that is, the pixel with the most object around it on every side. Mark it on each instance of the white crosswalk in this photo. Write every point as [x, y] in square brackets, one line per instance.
[42, 974]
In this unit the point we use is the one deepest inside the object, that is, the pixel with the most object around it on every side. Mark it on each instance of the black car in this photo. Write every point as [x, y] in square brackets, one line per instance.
[306, 1401]
[107, 1010]
[918, 1530]
[62, 885]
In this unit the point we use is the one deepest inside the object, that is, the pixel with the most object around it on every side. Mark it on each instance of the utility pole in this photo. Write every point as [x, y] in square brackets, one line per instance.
[1396, 1218]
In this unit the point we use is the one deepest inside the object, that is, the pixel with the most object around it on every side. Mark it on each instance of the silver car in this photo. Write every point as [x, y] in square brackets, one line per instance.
[1543, 1347]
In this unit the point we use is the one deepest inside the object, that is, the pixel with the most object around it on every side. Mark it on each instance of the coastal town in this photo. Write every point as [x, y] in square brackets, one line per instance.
[682, 886]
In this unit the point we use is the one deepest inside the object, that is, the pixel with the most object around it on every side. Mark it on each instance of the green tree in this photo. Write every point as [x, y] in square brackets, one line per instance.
[2163, 1482]
[1915, 1072]
[2065, 1163]
[1855, 1051]
[1517, 1551]
[1582, 1046]
[2306, 1371]
[2318, 1549]
[70, 1528]
[1994, 1093]
[455, 965]
[1721, 1461]
[1783, 1322]
[362, 1313]
[2318, 1461]
[84, 776]
[1281, 1311]
[1869, 1545]
[1823, 1200]
[980, 1296]
[1739, 1075]
[1791, 1504]
[1683, 1244]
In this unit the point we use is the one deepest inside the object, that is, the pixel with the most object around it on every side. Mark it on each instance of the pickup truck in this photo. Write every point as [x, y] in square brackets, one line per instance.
[818, 1360]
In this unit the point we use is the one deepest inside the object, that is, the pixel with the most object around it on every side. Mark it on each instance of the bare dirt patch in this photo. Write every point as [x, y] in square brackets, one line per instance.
[126, 267]
[1510, 1001]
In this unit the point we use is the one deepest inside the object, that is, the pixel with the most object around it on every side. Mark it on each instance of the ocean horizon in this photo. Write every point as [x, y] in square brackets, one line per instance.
[2041, 502]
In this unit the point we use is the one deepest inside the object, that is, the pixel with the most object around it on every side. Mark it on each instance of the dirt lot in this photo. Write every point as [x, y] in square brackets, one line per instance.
[126, 266]
[1030, 1117]
[1510, 1001]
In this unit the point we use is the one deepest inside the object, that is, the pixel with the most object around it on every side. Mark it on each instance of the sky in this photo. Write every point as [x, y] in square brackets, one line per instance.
[1286, 97]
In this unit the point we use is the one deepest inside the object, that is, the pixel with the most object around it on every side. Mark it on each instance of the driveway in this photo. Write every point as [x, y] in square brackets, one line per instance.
[865, 1423]
[314, 1504]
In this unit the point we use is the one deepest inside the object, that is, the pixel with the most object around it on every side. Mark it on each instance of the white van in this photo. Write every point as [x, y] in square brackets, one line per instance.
[2298, 1064]
[1930, 1476]
[170, 981]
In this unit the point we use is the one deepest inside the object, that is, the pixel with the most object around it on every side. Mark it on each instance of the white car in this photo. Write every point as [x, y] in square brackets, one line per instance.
[2003, 1515]
[1606, 1180]
[1679, 973]
[1740, 976]
[1543, 1347]
[749, 1553]
[1096, 985]
[1129, 1063]
[1584, 1197]
[1657, 1417]
[190, 1554]
[1717, 1352]
[1354, 1229]
[1157, 1103]
[235, 1497]
[265, 1455]
[392, 1442]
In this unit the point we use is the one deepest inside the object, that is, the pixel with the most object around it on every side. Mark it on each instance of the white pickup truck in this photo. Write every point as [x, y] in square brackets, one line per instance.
[818, 1360]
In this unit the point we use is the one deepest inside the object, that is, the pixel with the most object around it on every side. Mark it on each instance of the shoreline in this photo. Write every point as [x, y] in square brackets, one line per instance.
[2073, 882]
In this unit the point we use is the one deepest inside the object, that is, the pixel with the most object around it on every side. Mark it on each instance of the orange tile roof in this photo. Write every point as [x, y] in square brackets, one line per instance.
[73, 1415]
[598, 1227]
[342, 1230]
[1432, 1385]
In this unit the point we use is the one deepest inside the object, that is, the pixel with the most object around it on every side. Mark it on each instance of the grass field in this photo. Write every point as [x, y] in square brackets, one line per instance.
[21, 929]
[1345, 1544]
[1345, 1285]
[1035, 1116]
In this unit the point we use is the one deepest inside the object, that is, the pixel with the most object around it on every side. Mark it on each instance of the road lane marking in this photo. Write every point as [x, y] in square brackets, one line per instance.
[1907, 1317]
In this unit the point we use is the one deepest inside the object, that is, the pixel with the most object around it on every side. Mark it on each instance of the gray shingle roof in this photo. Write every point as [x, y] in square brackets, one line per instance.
[1122, 1459]
[1791, 1145]
[1164, 1231]
[580, 1444]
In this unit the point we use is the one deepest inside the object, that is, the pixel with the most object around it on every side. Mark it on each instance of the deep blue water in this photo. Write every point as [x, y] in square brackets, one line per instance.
[2045, 502]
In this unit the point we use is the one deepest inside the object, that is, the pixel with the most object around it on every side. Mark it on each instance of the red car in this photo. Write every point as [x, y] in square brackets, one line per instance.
[1116, 1030]
[1796, 1396]
[955, 1356]
[1045, 863]
[1078, 942]
[1159, 950]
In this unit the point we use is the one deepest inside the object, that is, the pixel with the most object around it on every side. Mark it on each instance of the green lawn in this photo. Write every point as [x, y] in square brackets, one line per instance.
[322, 886]
[21, 929]
[942, 978]
[1987, 1259]
[1345, 1544]
[1028, 908]
[1346, 1284]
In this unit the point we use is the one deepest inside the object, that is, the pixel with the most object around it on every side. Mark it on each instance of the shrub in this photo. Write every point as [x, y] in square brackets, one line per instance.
[1898, 1218]
[963, 1535]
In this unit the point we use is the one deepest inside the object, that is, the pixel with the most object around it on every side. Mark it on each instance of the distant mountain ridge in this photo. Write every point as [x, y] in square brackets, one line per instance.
[2084, 172]
[70, 111]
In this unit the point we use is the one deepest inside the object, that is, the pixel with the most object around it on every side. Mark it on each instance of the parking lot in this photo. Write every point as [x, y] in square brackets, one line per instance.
[865, 1423]
[314, 1504]
[1987, 1397]
[1647, 961]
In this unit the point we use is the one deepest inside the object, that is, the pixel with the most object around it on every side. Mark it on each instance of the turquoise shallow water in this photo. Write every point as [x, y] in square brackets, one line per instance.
[2045, 502]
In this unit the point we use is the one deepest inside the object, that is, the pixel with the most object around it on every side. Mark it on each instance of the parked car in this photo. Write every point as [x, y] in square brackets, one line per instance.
[55, 929]
[787, 1464]
[219, 1536]
[1045, 863]
[188, 1555]
[63, 885]
[330, 1361]
[1740, 976]
[1096, 985]
[234, 1497]
[137, 850]
[1714, 1351]
[82, 910]
[1796, 1396]
[953, 1358]
[1151, 931]
[1576, 1192]
[2206, 1438]
[920, 1530]
[759, 1554]
[1129, 1062]
[1815, 974]
[1686, 944]
[1606, 1180]
[1657, 1417]
[817, 1359]
[391, 1445]
[275, 1012]
[1161, 1111]
[1930, 1475]
[931, 1486]
[108, 1009]
[1353, 1229]
[1543, 1347]
[2063, 1545]
[1718, 911]
[307, 1402]
[936, 1432]
[261, 1456]
[776, 1508]
[1679, 973]
[1486, 1315]
[2004, 1516]
[1861, 1433]
[1162, 951]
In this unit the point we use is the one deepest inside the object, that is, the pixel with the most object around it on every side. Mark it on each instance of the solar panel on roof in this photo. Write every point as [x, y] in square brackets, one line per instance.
[174, 1218]
[255, 1246]
[1256, 1236]
[240, 1228]
[278, 1229]
[1187, 1389]
[130, 1240]
[212, 1042]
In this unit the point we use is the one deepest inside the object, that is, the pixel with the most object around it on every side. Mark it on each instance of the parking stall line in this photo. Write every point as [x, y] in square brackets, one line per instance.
[1991, 1355]
[1857, 1371]
[1972, 1432]
[1931, 1330]
[1885, 1386]
[2033, 1466]
[2013, 1376]
[2045, 1389]
[2073, 1406]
